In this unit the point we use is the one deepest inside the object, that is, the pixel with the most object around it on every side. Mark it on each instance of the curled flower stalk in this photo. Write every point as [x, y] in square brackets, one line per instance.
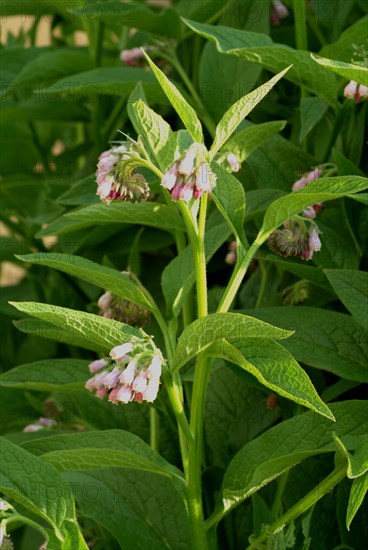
[132, 373]
[117, 177]
[124, 311]
[190, 176]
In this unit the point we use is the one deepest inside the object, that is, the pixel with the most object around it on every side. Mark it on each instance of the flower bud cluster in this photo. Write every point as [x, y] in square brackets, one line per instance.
[190, 176]
[116, 177]
[132, 56]
[296, 239]
[355, 91]
[278, 12]
[132, 373]
[124, 311]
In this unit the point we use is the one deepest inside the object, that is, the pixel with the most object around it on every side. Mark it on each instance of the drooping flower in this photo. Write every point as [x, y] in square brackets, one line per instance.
[40, 424]
[234, 162]
[307, 178]
[278, 12]
[355, 91]
[190, 176]
[117, 178]
[127, 378]
[97, 365]
[131, 56]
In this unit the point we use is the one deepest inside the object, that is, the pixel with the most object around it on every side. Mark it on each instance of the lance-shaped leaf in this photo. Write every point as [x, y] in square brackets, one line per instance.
[351, 286]
[37, 486]
[357, 463]
[107, 333]
[105, 277]
[237, 112]
[233, 327]
[358, 491]
[48, 375]
[286, 445]
[153, 214]
[275, 368]
[156, 132]
[358, 73]
[181, 106]
[94, 450]
[321, 190]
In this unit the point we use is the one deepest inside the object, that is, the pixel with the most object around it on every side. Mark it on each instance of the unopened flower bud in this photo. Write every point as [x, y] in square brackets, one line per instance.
[234, 162]
[120, 352]
[97, 365]
[131, 56]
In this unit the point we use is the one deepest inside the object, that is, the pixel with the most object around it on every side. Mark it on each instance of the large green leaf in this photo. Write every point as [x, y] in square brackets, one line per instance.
[140, 509]
[358, 73]
[237, 112]
[115, 81]
[275, 368]
[107, 333]
[94, 450]
[47, 375]
[286, 445]
[146, 213]
[259, 48]
[110, 279]
[323, 339]
[351, 286]
[43, 329]
[233, 327]
[358, 491]
[321, 190]
[247, 140]
[181, 106]
[39, 487]
[312, 110]
[157, 132]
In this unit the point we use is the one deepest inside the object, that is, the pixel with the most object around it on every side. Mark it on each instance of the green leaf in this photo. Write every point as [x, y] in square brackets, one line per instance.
[181, 106]
[286, 445]
[105, 277]
[244, 142]
[358, 73]
[312, 110]
[81, 193]
[358, 491]
[115, 81]
[43, 329]
[321, 190]
[40, 110]
[146, 213]
[275, 368]
[107, 333]
[132, 14]
[322, 339]
[48, 375]
[258, 200]
[234, 327]
[351, 286]
[345, 48]
[37, 486]
[259, 48]
[140, 509]
[230, 199]
[157, 133]
[178, 277]
[94, 450]
[357, 463]
[237, 112]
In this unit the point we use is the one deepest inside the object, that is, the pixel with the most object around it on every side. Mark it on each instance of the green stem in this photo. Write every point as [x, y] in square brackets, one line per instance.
[300, 15]
[342, 113]
[18, 518]
[237, 278]
[154, 429]
[262, 289]
[110, 126]
[201, 376]
[302, 506]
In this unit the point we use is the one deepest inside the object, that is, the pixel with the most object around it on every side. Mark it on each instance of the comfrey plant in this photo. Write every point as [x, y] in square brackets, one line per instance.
[203, 351]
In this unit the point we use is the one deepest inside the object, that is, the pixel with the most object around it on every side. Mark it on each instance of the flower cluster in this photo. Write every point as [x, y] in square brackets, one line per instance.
[132, 373]
[278, 12]
[355, 91]
[124, 311]
[300, 236]
[190, 175]
[116, 177]
[40, 424]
